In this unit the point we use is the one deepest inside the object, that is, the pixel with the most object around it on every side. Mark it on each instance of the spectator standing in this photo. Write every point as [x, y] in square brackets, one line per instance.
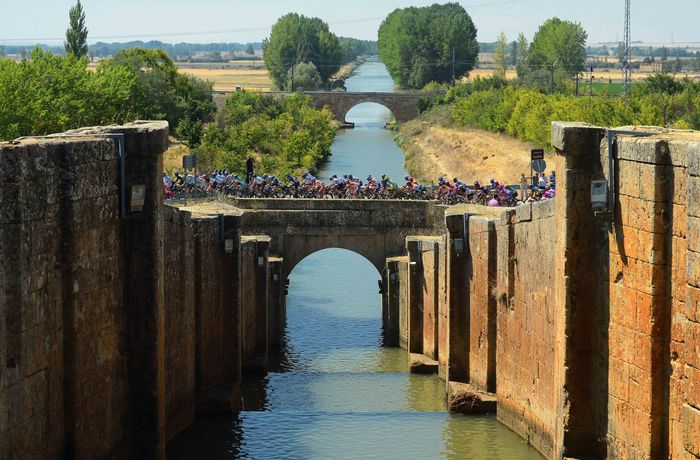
[523, 187]
[249, 168]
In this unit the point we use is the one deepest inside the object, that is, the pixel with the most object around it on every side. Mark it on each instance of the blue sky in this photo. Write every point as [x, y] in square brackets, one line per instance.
[250, 20]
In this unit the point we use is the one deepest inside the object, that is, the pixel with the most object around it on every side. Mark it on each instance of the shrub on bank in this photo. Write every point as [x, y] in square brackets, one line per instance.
[282, 134]
[48, 93]
[528, 114]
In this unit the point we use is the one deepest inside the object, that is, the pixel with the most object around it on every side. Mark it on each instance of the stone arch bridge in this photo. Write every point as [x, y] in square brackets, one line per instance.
[404, 106]
[375, 229]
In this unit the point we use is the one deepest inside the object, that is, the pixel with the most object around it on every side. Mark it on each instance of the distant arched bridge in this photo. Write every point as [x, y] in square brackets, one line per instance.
[404, 106]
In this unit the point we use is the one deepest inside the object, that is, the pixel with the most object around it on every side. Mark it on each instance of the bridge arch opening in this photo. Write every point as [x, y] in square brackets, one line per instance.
[369, 115]
[332, 303]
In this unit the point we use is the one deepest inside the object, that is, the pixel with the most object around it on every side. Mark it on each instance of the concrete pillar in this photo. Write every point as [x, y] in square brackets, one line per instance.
[275, 300]
[415, 297]
[458, 267]
[580, 380]
[393, 288]
[144, 286]
[254, 302]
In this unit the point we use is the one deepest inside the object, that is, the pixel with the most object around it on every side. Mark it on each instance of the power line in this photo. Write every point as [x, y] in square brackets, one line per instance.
[250, 29]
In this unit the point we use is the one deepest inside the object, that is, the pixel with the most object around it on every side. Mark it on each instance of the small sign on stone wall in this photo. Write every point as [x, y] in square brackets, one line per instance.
[138, 197]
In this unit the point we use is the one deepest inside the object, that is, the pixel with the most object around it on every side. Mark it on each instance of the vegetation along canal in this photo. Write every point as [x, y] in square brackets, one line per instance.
[335, 392]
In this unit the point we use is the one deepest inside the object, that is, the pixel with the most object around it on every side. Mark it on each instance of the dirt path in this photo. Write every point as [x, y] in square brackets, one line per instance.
[436, 148]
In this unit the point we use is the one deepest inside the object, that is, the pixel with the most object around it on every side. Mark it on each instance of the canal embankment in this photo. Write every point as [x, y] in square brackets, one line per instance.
[434, 146]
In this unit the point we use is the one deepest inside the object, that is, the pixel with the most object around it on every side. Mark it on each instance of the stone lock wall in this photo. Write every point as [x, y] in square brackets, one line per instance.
[180, 304]
[654, 352]
[115, 332]
[202, 314]
[525, 338]
[482, 295]
[426, 286]
[254, 302]
[68, 268]
[585, 328]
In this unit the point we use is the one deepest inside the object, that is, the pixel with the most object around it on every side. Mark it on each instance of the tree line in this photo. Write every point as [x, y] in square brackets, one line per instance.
[48, 93]
[497, 105]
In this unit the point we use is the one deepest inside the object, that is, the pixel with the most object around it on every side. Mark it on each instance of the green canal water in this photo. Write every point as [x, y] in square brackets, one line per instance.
[334, 392]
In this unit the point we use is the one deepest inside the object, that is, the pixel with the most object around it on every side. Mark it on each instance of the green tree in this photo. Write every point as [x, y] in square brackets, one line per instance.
[76, 35]
[304, 76]
[513, 53]
[249, 49]
[499, 56]
[678, 64]
[434, 43]
[560, 47]
[664, 54]
[352, 48]
[282, 134]
[522, 56]
[190, 131]
[295, 38]
[157, 90]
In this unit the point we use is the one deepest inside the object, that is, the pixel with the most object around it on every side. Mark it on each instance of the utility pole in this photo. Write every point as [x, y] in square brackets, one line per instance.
[453, 66]
[553, 66]
[627, 60]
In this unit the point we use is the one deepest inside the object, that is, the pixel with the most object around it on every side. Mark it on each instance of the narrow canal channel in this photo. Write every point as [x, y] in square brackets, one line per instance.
[335, 392]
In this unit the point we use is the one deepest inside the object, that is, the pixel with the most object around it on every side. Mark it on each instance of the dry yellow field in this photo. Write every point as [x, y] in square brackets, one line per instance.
[600, 74]
[228, 79]
[234, 73]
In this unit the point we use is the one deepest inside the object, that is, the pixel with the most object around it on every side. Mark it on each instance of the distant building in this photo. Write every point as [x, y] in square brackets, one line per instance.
[652, 67]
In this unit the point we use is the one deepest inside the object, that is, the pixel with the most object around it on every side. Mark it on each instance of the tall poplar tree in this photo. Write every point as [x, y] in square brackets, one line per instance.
[499, 56]
[76, 35]
[522, 55]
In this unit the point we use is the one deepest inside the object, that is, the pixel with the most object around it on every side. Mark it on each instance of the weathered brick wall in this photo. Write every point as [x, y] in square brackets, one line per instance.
[179, 320]
[61, 319]
[212, 303]
[29, 317]
[402, 282]
[69, 386]
[653, 404]
[525, 315]
[482, 303]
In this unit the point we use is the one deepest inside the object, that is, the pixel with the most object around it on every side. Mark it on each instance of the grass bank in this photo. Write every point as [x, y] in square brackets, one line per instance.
[434, 146]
